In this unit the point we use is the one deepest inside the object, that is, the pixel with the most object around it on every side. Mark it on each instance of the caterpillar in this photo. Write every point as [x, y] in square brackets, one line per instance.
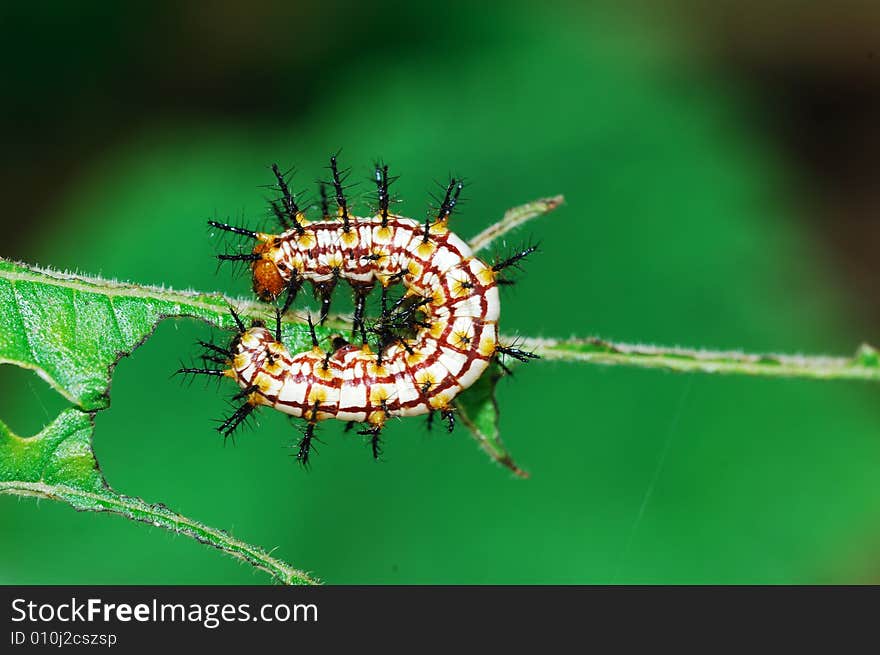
[428, 345]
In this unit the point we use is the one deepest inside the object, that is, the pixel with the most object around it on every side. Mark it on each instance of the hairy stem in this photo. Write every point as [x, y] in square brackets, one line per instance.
[512, 219]
[864, 365]
[160, 516]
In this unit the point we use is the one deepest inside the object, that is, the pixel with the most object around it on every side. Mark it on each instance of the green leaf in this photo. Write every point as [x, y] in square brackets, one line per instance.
[60, 455]
[72, 330]
[59, 464]
[478, 411]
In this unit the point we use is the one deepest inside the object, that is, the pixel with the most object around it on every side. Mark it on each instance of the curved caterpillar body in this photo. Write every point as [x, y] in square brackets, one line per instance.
[430, 344]
[453, 343]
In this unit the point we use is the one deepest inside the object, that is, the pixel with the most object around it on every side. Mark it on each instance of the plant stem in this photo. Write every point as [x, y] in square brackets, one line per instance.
[864, 365]
[512, 219]
[160, 516]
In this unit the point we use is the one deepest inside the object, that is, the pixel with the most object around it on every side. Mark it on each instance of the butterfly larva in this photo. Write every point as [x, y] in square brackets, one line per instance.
[431, 344]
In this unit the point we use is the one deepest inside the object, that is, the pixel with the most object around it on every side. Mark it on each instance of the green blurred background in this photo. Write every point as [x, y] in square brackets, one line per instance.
[719, 162]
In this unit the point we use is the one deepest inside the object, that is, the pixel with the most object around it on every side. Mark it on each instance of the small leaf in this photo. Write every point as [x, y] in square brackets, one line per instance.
[59, 464]
[478, 410]
[60, 454]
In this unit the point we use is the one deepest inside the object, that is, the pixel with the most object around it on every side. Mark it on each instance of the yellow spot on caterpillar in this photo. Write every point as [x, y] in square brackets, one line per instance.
[414, 358]
[306, 240]
[486, 276]
[317, 395]
[240, 361]
[383, 234]
[230, 373]
[263, 382]
[349, 238]
[334, 260]
[378, 394]
[461, 287]
[487, 346]
[426, 249]
[377, 418]
[376, 370]
[439, 228]
[440, 401]
[248, 340]
[274, 368]
[323, 373]
[436, 329]
[256, 399]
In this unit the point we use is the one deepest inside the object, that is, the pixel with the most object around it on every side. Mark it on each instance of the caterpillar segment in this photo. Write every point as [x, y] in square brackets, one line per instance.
[430, 344]
[454, 342]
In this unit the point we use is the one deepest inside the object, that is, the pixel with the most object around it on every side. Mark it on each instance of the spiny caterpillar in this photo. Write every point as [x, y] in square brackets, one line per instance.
[430, 344]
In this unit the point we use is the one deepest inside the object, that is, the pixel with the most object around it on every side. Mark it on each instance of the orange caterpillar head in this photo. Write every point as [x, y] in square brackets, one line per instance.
[268, 282]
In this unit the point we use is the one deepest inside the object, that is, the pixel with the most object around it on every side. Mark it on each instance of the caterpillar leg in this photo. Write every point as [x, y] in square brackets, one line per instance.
[230, 425]
[513, 259]
[234, 229]
[278, 314]
[201, 371]
[516, 353]
[375, 434]
[291, 215]
[444, 210]
[382, 184]
[304, 447]
[243, 257]
[324, 293]
[312, 331]
[511, 262]
[512, 351]
[238, 322]
[293, 287]
[213, 354]
[360, 302]
[448, 415]
[450, 199]
[341, 201]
